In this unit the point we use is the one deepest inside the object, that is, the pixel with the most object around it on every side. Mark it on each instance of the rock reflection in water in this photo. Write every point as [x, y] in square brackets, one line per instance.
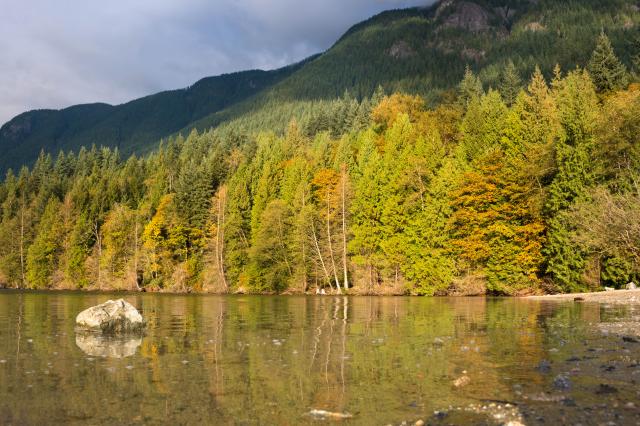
[108, 346]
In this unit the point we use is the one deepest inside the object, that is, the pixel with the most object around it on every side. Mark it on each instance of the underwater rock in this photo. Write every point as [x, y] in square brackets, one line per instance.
[323, 414]
[561, 382]
[461, 381]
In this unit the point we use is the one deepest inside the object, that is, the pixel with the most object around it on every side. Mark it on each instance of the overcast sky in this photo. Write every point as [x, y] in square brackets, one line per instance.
[55, 53]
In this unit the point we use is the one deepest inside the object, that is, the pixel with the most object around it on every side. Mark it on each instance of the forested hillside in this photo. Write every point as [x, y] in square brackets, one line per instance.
[417, 51]
[527, 187]
[134, 127]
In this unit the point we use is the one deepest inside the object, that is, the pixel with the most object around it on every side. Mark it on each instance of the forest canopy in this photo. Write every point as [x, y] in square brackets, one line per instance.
[524, 188]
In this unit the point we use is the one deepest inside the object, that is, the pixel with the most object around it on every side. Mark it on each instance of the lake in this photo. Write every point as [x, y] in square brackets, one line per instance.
[303, 360]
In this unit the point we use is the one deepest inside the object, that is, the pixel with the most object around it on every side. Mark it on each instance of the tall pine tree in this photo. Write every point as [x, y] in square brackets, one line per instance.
[470, 88]
[606, 70]
[578, 110]
[510, 84]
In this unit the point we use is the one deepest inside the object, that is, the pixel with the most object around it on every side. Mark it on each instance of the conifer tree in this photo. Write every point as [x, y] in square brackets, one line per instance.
[237, 228]
[77, 249]
[366, 208]
[271, 261]
[537, 129]
[606, 70]
[483, 124]
[194, 188]
[510, 84]
[119, 236]
[578, 109]
[470, 88]
[42, 256]
[635, 58]
[377, 96]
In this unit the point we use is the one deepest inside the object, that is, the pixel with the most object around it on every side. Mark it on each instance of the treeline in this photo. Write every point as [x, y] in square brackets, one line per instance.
[524, 188]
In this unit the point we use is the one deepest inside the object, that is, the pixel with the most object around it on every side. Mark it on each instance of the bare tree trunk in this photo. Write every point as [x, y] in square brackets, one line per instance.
[222, 214]
[396, 278]
[220, 237]
[282, 246]
[22, 272]
[305, 283]
[135, 251]
[324, 267]
[333, 261]
[96, 233]
[344, 228]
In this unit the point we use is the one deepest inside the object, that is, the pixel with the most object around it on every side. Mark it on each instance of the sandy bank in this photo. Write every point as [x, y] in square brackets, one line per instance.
[616, 297]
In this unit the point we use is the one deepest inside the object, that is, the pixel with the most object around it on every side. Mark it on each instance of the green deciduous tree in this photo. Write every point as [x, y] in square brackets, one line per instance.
[495, 233]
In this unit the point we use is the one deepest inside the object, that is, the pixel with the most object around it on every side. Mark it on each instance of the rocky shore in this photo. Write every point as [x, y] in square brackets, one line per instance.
[619, 297]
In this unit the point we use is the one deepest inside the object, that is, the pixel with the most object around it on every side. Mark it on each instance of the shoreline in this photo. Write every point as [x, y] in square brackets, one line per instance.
[616, 297]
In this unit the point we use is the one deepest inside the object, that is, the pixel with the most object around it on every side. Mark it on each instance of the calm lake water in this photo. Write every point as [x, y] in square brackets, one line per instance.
[272, 360]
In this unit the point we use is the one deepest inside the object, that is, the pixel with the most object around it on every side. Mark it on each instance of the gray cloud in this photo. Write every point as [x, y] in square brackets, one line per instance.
[59, 53]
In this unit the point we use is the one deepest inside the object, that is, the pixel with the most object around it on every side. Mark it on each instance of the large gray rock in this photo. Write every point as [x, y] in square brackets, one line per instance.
[465, 15]
[111, 317]
[98, 345]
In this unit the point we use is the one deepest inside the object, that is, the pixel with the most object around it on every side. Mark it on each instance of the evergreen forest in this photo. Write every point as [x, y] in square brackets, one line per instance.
[528, 185]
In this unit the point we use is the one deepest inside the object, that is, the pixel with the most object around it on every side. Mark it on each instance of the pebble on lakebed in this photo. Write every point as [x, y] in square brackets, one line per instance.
[502, 413]
[461, 381]
[111, 317]
[324, 414]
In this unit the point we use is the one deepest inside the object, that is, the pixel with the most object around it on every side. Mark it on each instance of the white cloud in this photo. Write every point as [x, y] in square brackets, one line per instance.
[59, 53]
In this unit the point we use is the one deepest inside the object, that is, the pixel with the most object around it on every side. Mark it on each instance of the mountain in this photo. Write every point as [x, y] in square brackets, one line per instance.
[419, 50]
[133, 127]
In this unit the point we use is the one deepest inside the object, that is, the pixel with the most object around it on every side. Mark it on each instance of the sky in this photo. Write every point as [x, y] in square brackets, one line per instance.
[57, 53]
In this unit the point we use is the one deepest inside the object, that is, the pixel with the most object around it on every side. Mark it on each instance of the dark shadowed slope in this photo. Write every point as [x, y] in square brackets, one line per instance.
[135, 126]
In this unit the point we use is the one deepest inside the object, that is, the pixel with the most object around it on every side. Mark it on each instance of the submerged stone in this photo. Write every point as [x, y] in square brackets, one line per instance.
[544, 366]
[323, 414]
[461, 381]
[561, 382]
[605, 389]
[111, 317]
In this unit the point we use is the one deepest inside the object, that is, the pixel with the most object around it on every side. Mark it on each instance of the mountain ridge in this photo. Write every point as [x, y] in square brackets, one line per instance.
[417, 50]
[133, 123]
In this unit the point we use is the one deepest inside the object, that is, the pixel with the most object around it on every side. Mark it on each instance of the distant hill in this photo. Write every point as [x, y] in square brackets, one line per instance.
[420, 50]
[132, 127]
